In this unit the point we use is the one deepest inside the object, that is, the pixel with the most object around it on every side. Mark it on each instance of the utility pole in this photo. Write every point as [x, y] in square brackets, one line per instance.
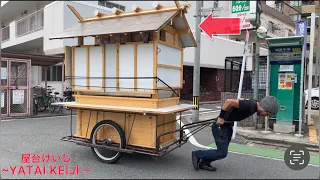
[0, 71]
[0, 64]
[317, 78]
[313, 16]
[196, 66]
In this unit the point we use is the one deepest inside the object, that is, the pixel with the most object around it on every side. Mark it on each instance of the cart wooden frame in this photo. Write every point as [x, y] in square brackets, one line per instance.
[129, 81]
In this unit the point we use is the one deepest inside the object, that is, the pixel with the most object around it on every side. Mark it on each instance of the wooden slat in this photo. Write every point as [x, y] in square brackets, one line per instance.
[76, 13]
[117, 68]
[88, 68]
[103, 67]
[169, 66]
[135, 67]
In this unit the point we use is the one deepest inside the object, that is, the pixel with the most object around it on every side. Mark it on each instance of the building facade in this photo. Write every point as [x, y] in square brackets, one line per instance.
[301, 10]
[28, 25]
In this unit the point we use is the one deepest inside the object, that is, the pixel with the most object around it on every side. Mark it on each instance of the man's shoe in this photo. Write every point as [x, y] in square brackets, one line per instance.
[208, 167]
[195, 160]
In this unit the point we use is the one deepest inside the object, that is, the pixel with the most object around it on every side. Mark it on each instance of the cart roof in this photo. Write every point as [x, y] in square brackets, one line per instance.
[129, 22]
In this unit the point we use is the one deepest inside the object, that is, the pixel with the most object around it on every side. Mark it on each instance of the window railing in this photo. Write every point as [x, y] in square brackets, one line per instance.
[306, 3]
[29, 24]
[5, 34]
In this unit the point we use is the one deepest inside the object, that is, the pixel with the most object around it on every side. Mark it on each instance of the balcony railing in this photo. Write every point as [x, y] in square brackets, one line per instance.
[5, 34]
[29, 24]
[307, 3]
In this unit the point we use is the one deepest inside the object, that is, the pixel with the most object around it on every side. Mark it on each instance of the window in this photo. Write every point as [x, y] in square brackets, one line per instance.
[279, 6]
[54, 73]
[306, 3]
[294, 17]
[111, 5]
[295, 3]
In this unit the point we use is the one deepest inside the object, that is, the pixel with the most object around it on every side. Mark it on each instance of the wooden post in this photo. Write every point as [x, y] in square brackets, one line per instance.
[155, 64]
[80, 41]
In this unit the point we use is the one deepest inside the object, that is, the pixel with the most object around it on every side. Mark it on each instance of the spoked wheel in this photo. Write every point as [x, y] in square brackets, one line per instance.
[107, 133]
[41, 104]
[52, 108]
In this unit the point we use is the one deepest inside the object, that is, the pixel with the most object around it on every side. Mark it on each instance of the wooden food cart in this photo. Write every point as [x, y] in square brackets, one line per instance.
[128, 82]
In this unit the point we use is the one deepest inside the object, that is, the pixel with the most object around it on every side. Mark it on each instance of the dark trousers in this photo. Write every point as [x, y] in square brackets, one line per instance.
[222, 142]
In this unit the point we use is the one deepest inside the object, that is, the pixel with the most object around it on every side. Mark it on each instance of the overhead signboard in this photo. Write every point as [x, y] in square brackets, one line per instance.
[243, 9]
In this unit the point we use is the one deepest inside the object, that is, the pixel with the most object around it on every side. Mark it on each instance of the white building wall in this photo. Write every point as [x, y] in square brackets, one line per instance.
[58, 17]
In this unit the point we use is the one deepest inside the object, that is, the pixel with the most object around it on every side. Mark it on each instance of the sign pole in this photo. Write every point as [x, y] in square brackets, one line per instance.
[241, 77]
[301, 30]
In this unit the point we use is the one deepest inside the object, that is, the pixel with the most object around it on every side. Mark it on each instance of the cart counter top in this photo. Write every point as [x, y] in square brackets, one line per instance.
[165, 110]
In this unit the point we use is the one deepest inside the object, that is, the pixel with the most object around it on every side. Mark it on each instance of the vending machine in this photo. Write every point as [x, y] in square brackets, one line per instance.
[286, 81]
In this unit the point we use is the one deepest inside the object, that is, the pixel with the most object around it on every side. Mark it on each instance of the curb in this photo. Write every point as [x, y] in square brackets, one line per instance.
[283, 142]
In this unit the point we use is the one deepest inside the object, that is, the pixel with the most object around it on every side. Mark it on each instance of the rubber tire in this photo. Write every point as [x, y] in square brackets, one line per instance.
[41, 107]
[311, 102]
[122, 136]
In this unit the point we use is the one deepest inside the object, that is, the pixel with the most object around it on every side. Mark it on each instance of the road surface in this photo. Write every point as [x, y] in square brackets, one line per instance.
[42, 136]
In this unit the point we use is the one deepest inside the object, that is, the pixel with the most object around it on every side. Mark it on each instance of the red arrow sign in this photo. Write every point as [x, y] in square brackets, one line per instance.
[220, 26]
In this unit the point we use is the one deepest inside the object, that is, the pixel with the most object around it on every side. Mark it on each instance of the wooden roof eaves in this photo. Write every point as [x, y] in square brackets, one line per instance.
[186, 23]
[128, 14]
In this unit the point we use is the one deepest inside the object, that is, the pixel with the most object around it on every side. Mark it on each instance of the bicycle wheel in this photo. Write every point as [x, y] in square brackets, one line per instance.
[41, 105]
[52, 108]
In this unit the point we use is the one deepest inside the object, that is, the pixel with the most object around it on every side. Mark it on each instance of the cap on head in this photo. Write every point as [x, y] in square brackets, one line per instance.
[270, 103]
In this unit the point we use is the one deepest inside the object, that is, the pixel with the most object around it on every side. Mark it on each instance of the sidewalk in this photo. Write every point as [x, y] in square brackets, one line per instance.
[271, 138]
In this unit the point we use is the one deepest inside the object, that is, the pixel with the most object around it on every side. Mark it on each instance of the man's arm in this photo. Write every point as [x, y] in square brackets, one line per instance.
[231, 103]
[226, 106]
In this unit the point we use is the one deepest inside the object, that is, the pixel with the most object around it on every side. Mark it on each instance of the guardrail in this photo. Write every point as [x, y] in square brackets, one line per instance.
[31, 23]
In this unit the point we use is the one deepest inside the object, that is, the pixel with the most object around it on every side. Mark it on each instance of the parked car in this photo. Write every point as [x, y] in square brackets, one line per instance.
[314, 98]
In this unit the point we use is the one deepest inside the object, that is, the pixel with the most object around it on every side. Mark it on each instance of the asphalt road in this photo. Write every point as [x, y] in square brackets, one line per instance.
[42, 136]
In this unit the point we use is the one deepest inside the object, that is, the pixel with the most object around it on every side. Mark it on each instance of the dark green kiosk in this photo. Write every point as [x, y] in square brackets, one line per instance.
[286, 81]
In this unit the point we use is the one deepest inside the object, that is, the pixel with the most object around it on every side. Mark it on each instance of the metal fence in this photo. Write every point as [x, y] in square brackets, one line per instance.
[232, 80]
[15, 84]
[233, 71]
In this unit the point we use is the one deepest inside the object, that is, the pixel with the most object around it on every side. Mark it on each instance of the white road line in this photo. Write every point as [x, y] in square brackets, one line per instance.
[195, 143]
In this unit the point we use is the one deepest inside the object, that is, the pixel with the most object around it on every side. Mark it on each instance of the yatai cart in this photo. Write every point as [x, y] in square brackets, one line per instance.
[128, 83]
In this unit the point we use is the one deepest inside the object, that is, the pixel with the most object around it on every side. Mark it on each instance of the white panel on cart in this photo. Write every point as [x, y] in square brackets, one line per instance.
[126, 67]
[95, 65]
[169, 55]
[80, 67]
[145, 67]
[110, 67]
[169, 76]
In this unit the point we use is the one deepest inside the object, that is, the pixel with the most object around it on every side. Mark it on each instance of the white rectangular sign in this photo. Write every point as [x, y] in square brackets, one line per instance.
[242, 9]
[2, 100]
[3, 73]
[286, 68]
[18, 96]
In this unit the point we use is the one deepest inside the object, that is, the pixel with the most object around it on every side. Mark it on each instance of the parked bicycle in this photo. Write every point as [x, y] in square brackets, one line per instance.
[44, 101]
[68, 95]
